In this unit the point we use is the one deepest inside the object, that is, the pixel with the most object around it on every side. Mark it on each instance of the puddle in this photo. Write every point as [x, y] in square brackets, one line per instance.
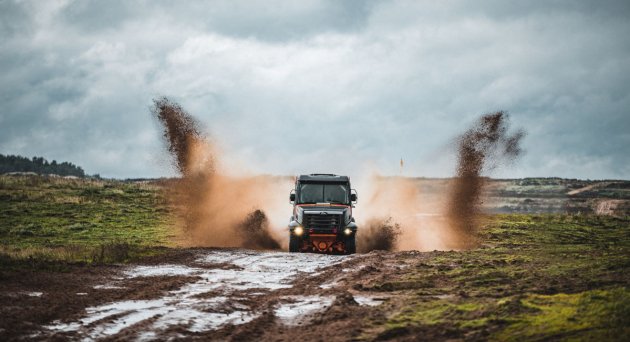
[275, 262]
[301, 308]
[329, 285]
[146, 336]
[256, 270]
[162, 270]
[353, 269]
[369, 300]
[107, 287]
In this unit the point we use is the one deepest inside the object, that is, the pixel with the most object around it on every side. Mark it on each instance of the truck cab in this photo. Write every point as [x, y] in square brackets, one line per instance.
[322, 218]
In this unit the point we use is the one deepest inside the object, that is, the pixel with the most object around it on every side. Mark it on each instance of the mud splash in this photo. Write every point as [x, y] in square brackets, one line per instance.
[483, 148]
[407, 214]
[182, 133]
[400, 216]
[379, 234]
[212, 205]
[254, 231]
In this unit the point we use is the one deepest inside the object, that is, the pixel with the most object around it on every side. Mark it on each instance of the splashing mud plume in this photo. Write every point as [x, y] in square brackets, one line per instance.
[182, 134]
[396, 215]
[379, 234]
[401, 216]
[215, 209]
[484, 147]
[254, 231]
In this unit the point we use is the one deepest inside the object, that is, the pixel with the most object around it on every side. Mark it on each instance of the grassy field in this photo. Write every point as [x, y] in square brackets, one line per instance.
[45, 220]
[540, 277]
[537, 276]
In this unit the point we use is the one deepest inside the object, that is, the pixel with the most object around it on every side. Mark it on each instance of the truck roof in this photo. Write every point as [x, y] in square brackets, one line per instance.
[323, 177]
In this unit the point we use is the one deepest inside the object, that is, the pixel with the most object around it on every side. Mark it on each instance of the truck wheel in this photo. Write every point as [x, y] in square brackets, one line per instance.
[351, 244]
[295, 243]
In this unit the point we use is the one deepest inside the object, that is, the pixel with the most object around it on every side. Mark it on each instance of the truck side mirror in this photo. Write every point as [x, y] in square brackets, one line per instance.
[292, 197]
[353, 197]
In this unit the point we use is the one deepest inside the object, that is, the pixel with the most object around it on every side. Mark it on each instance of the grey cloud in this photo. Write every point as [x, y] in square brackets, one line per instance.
[14, 19]
[264, 20]
[94, 16]
[337, 86]
[282, 20]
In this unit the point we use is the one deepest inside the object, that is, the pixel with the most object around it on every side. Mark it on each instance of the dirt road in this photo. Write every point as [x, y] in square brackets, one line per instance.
[586, 188]
[202, 293]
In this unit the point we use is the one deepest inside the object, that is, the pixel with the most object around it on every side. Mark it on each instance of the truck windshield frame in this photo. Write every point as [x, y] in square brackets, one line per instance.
[322, 192]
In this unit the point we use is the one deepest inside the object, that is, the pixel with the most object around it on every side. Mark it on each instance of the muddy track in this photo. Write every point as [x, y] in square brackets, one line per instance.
[201, 293]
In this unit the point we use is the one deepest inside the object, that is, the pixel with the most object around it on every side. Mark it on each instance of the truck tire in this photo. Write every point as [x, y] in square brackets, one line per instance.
[295, 243]
[351, 244]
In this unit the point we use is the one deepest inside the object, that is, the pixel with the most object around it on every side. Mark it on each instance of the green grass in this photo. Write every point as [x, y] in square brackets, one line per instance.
[538, 277]
[588, 315]
[44, 220]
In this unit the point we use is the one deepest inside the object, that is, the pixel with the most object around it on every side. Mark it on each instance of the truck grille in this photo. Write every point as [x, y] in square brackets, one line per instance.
[327, 221]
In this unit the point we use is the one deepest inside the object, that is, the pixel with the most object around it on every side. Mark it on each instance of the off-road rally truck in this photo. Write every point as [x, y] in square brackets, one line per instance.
[322, 215]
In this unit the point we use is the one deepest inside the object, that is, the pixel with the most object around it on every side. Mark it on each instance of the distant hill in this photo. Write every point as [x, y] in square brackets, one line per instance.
[38, 165]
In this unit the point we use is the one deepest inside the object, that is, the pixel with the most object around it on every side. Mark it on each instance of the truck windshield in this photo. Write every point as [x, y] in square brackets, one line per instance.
[323, 193]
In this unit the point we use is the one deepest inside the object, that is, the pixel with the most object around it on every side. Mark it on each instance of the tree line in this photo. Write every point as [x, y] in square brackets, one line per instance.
[38, 165]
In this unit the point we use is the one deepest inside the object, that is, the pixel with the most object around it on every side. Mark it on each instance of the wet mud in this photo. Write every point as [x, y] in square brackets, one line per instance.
[201, 293]
[233, 294]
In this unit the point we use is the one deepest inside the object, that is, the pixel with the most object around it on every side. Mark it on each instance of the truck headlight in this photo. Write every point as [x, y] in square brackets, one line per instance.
[298, 231]
[347, 231]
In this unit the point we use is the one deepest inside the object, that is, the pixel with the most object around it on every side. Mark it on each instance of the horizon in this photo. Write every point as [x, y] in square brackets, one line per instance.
[286, 175]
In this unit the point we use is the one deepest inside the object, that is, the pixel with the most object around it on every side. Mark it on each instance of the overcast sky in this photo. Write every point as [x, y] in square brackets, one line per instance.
[288, 87]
